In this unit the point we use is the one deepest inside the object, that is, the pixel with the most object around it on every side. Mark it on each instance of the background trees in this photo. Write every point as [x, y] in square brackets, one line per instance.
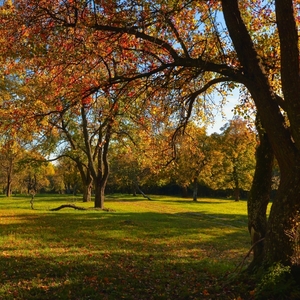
[238, 145]
[194, 160]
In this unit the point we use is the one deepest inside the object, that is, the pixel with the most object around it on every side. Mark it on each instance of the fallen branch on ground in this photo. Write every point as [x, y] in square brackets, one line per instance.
[78, 208]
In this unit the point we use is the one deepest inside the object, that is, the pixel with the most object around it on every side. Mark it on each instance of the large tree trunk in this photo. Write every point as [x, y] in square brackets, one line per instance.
[280, 244]
[282, 238]
[259, 196]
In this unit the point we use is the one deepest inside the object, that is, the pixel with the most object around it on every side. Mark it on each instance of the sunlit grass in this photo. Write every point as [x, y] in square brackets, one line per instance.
[167, 248]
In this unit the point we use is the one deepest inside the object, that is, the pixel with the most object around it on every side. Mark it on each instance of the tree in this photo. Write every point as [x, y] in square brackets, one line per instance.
[238, 145]
[11, 152]
[87, 130]
[194, 158]
[244, 64]
[181, 45]
[68, 179]
[259, 195]
[141, 152]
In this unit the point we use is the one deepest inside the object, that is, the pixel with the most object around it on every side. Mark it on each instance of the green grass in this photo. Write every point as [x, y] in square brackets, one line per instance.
[168, 248]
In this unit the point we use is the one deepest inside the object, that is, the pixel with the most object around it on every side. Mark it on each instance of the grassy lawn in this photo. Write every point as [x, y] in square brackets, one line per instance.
[168, 248]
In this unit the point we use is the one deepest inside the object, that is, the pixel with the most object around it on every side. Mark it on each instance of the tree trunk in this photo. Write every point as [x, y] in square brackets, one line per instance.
[99, 195]
[98, 166]
[8, 187]
[139, 189]
[282, 238]
[195, 189]
[86, 179]
[184, 192]
[87, 192]
[67, 188]
[9, 180]
[236, 193]
[133, 189]
[259, 196]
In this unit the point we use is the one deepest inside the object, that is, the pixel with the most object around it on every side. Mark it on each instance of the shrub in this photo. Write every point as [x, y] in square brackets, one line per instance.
[277, 283]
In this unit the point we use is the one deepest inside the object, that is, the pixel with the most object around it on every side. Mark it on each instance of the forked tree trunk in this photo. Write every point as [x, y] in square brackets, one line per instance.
[281, 237]
[259, 197]
[98, 161]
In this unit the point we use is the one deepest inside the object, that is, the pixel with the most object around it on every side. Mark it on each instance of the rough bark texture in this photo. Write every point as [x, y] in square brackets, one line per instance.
[282, 238]
[259, 196]
[87, 192]
[99, 195]
[279, 245]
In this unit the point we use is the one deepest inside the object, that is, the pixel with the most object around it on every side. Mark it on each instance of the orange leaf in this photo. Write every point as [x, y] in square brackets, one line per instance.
[205, 293]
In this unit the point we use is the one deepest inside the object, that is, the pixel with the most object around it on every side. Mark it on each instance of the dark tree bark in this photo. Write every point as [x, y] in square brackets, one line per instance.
[100, 192]
[68, 206]
[8, 185]
[236, 184]
[279, 246]
[32, 188]
[86, 178]
[9, 178]
[98, 159]
[259, 196]
[184, 192]
[87, 192]
[133, 189]
[282, 238]
[195, 189]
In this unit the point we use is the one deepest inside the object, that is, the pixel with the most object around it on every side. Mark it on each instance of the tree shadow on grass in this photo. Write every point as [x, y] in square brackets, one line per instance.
[117, 255]
[117, 276]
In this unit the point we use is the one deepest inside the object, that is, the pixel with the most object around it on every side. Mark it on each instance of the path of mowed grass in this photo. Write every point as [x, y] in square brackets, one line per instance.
[168, 248]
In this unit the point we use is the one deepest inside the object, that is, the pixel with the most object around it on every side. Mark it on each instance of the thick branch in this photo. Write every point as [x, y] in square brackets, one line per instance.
[288, 49]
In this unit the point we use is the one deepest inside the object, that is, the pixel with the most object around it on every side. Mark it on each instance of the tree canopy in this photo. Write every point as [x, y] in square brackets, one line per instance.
[165, 54]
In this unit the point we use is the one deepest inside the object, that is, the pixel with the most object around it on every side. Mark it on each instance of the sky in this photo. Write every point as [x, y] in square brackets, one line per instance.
[228, 114]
